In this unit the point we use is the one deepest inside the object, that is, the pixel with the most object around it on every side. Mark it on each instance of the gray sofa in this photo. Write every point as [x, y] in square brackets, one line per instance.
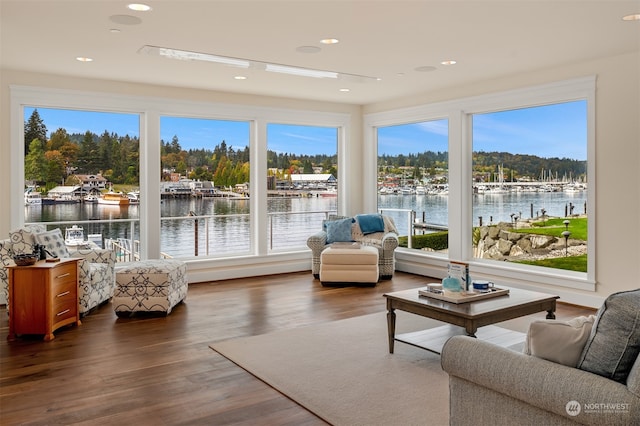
[491, 385]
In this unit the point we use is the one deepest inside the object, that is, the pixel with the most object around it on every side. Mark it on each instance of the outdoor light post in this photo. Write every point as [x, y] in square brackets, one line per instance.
[566, 234]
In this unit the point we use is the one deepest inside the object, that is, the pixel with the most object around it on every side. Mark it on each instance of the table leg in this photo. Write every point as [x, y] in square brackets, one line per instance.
[471, 330]
[391, 328]
[551, 314]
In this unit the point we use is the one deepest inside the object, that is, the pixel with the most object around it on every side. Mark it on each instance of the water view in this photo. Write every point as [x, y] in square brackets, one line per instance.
[226, 220]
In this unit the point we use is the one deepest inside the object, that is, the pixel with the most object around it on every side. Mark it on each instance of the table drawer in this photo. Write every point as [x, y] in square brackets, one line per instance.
[65, 308]
[64, 279]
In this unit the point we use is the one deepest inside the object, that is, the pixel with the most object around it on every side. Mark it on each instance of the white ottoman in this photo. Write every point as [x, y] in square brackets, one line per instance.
[149, 286]
[349, 265]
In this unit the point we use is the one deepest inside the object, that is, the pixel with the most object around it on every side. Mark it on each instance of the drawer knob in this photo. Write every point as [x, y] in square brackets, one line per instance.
[63, 275]
[63, 312]
[63, 294]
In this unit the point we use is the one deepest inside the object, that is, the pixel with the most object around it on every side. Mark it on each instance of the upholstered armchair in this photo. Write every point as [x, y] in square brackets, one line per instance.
[384, 238]
[96, 281]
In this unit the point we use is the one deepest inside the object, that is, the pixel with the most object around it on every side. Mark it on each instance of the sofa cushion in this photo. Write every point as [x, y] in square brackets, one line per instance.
[53, 241]
[339, 230]
[561, 342]
[614, 343]
[370, 223]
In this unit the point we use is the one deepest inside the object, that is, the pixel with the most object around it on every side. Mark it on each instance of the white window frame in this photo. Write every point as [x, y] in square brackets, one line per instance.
[150, 109]
[459, 113]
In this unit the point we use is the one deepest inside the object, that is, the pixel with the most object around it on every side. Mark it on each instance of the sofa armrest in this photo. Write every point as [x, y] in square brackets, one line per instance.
[535, 382]
[95, 255]
[390, 241]
[317, 242]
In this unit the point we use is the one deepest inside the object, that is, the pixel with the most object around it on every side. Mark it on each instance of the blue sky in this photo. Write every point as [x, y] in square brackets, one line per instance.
[551, 131]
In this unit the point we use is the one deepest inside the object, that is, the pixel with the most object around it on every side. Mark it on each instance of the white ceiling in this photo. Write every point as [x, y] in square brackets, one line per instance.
[385, 39]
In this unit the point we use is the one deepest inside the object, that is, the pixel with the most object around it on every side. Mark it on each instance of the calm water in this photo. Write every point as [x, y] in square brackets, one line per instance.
[229, 231]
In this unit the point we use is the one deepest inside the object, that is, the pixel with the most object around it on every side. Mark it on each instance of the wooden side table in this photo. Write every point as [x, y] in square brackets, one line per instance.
[43, 297]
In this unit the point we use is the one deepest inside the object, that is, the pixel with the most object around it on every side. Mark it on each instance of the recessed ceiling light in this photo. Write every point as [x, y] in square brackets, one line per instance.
[114, 30]
[329, 41]
[240, 77]
[84, 59]
[344, 89]
[449, 62]
[634, 17]
[139, 7]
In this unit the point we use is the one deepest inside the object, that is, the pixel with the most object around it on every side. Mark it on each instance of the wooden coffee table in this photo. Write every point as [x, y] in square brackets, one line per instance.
[465, 317]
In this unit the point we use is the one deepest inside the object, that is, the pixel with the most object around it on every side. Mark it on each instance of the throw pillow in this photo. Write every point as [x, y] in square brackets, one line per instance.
[370, 223]
[53, 241]
[339, 230]
[614, 343]
[561, 342]
[22, 241]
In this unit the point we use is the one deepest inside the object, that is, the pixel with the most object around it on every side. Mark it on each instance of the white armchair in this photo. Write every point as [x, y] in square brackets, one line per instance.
[386, 241]
[96, 280]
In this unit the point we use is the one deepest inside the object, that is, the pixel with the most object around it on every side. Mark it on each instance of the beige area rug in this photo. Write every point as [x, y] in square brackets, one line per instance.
[342, 371]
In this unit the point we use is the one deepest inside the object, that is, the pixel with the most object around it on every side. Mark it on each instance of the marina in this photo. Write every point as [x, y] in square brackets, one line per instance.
[291, 219]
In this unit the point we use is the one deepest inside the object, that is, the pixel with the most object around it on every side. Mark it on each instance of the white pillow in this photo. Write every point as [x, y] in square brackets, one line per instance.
[559, 341]
[53, 241]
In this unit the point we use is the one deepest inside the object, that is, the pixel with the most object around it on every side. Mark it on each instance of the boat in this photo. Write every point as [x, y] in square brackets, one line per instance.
[74, 236]
[32, 197]
[91, 198]
[134, 197]
[114, 199]
[330, 192]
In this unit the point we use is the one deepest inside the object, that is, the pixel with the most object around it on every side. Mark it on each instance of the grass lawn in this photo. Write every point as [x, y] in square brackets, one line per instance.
[571, 263]
[555, 227]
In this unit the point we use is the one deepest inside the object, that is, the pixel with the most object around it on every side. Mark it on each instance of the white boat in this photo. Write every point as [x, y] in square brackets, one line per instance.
[74, 236]
[32, 197]
[91, 198]
[114, 199]
[134, 197]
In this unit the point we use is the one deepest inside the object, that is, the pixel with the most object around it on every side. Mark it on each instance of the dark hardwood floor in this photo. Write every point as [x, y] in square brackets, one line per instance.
[159, 370]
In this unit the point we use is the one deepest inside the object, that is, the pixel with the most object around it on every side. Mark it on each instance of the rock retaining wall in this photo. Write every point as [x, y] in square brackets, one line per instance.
[499, 242]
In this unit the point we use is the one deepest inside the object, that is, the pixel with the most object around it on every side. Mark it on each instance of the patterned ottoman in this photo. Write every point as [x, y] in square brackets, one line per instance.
[149, 286]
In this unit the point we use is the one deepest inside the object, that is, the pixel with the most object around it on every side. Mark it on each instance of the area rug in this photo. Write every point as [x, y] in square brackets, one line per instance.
[342, 371]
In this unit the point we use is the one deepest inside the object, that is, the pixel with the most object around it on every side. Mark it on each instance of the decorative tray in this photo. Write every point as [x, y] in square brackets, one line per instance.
[463, 297]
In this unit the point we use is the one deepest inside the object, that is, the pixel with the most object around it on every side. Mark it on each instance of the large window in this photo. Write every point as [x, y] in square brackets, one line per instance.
[204, 187]
[81, 169]
[530, 186]
[520, 173]
[413, 182]
[195, 176]
[302, 182]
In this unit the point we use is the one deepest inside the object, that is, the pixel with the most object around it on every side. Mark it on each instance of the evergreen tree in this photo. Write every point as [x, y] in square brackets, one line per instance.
[34, 128]
[88, 155]
[35, 163]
